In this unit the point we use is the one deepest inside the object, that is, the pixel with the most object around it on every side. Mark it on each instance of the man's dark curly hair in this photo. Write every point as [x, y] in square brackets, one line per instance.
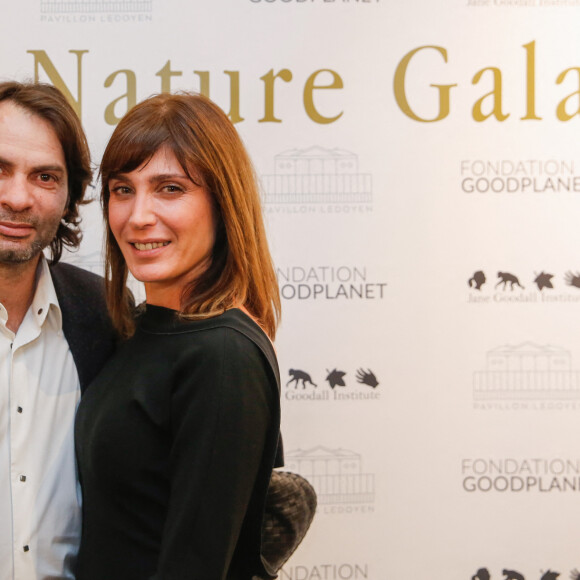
[48, 103]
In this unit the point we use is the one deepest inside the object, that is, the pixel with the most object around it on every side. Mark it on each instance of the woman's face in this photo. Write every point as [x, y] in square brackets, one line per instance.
[164, 224]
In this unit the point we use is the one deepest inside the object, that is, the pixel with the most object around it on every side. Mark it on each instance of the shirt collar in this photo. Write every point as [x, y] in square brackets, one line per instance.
[45, 299]
[3, 315]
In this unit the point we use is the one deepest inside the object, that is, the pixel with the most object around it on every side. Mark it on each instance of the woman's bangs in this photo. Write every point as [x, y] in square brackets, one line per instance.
[133, 149]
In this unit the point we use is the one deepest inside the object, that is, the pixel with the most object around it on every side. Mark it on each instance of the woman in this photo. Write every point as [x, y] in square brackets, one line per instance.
[177, 437]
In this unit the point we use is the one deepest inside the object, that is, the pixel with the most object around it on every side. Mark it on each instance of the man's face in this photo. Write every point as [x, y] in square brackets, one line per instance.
[33, 184]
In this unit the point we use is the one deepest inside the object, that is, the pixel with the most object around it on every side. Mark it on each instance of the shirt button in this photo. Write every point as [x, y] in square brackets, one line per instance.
[19, 409]
[40, 311]
[26, 548]
[23, 478]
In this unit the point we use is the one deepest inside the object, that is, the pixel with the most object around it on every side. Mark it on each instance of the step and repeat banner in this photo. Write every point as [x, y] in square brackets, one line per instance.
[420, 170]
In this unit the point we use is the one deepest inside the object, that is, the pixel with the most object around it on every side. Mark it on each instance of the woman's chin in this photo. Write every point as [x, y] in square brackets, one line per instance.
[148, 275]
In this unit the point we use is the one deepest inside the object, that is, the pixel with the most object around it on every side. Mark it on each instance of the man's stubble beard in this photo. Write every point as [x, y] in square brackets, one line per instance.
[45, 233]
[21, 255]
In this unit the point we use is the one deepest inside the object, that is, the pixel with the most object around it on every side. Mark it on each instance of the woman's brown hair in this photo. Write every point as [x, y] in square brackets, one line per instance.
[206, 144]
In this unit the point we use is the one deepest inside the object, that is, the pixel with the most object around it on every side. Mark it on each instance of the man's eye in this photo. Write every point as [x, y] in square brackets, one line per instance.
[47, 177]
[121, 190]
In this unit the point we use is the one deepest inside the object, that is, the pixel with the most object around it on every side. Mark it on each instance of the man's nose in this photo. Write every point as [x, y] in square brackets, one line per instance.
[16, 194]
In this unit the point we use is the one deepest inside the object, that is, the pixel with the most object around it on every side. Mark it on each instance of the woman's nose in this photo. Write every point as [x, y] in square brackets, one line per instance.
[143, 211]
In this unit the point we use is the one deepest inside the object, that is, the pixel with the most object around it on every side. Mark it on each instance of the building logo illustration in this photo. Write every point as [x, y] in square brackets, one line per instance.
[324, 179]
[336, 475]
[94, 6]
[527, 372]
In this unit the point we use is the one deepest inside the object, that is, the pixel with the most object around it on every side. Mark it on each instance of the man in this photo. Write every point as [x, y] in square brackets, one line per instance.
[54, 331]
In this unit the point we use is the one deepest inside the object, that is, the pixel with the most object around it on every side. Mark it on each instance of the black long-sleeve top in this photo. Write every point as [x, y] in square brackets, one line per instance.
[176, 440]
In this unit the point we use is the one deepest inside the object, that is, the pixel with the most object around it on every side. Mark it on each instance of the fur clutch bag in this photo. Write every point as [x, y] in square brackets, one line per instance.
[290, 508]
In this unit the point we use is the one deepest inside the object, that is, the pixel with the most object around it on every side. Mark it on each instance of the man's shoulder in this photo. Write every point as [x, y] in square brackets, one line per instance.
[71, 280]
[64, 271]
[85, 319]
[79, 292]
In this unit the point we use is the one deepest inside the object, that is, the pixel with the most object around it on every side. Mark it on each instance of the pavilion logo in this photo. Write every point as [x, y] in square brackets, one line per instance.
[80, 11]
[527, 376]
[337, 475]
[317, 180]
[310, 2]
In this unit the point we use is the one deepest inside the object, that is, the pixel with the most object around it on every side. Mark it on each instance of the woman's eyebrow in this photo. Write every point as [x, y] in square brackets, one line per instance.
[165, 176]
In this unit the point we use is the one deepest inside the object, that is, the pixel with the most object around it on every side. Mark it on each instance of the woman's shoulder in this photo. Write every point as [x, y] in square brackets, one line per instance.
[242, 324]
[230, 350]
[231, 335]
[244, 335]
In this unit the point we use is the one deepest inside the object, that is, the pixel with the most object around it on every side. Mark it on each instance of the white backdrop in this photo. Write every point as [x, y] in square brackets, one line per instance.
[420, 170]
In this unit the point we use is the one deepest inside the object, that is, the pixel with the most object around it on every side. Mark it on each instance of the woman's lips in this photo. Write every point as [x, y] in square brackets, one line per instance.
[144, 246]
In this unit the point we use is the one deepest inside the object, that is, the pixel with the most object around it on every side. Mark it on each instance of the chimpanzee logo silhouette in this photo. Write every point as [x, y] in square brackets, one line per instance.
[299, 376]
[512, 575]
[506, 278]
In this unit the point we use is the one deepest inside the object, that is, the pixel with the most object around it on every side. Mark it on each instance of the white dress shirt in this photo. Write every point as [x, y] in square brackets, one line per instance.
[40, 517]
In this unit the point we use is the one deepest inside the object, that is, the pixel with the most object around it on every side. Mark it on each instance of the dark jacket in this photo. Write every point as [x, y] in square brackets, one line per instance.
[86, 323]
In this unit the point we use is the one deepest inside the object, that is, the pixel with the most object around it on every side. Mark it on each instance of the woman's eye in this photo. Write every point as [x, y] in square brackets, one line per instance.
[172, 188]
